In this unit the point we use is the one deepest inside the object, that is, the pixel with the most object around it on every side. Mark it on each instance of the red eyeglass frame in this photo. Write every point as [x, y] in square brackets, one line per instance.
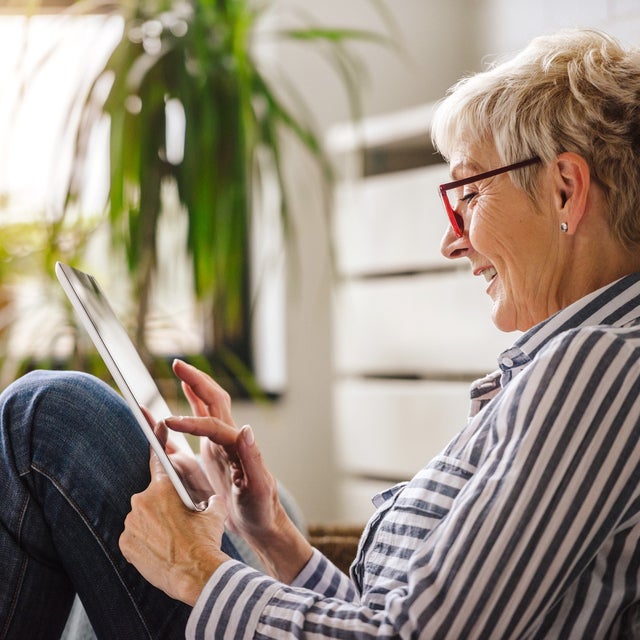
[454, 218]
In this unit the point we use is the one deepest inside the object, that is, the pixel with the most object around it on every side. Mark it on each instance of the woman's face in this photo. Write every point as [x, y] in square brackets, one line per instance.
[509, 243]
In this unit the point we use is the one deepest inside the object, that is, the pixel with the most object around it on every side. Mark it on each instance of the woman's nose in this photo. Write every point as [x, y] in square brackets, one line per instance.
[452, 247]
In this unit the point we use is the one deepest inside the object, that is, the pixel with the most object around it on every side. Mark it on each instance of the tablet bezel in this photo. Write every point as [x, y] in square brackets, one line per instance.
[79, 285]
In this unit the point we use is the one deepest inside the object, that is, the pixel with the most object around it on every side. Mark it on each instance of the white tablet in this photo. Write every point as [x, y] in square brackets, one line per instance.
[126, 366]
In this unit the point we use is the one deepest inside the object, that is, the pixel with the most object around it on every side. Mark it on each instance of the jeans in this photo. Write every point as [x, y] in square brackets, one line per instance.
[72, 456]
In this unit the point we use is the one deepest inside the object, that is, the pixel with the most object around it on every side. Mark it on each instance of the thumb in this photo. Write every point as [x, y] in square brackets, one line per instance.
[156, 468]
[249, 453]
[162, 431]
[217, 508]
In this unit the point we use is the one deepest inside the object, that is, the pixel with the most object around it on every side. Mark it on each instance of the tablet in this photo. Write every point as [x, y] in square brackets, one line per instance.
[127, 368]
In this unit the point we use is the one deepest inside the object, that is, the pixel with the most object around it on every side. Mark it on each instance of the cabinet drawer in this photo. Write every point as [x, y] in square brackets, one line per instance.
[392, 222]
[423, 325]
[392, 428]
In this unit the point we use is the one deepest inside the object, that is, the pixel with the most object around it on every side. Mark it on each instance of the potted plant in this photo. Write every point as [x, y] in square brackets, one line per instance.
[198, 57]
[193, 62]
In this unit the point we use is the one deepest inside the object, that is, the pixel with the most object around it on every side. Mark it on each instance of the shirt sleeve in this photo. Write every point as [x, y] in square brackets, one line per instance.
[235, 594]
[560, 480]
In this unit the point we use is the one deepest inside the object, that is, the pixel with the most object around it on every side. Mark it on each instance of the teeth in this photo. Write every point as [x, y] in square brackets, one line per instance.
[489, 274]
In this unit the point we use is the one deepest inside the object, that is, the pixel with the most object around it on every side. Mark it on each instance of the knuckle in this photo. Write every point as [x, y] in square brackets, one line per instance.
[136, 504]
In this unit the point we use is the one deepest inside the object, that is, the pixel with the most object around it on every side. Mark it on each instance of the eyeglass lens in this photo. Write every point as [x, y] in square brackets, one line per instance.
[453, 193]
[458, 205]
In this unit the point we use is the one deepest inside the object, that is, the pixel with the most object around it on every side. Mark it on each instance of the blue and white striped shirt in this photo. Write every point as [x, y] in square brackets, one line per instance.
[526, 526]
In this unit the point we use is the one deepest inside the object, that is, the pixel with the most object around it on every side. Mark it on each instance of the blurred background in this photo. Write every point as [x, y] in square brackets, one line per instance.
[347, 341]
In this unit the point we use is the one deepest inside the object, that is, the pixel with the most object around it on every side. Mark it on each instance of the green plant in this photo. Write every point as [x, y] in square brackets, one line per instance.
[28, 251]
[196, 57]
[195, 62]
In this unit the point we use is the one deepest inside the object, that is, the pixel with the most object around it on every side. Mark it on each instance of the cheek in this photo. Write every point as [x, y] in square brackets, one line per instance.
[501, 228]
[498, 243]
[488, 233]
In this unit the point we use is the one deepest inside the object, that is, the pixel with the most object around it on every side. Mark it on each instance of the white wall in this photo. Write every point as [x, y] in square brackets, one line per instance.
[507, 25]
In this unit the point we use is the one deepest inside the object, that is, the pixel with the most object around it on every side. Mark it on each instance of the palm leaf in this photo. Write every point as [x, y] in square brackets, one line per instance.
[233, 113]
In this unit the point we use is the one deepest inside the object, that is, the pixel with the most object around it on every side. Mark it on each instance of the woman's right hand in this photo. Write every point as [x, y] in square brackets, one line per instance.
[234, 466]
[236, 470]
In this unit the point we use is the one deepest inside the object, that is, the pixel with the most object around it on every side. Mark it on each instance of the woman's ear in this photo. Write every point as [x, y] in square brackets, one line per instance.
[572, 184]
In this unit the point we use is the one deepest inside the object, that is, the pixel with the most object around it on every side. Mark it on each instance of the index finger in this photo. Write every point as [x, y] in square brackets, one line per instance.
[205, 389]
[213, 428]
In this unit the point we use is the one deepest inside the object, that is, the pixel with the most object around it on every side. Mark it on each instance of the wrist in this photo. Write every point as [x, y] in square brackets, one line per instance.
[190, 583]
[283, 549]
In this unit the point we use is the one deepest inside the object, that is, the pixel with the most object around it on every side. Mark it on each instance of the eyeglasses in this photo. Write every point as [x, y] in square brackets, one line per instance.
[452, 193]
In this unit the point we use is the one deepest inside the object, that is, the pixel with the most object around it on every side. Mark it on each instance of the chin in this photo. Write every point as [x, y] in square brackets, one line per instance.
[503, 320]
[507, 320]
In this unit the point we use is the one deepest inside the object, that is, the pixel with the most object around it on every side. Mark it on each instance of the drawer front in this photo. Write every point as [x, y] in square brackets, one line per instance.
[416, 326]
[390, 429]
[392, 222]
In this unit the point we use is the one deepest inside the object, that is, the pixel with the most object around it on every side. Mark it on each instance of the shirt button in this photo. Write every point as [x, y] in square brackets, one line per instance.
[507, 362]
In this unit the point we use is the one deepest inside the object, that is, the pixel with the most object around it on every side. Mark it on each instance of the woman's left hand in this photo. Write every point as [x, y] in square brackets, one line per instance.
[186, 464]
[174, 548]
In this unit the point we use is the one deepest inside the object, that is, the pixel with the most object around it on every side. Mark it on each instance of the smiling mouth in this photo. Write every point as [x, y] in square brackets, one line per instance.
[489, 274]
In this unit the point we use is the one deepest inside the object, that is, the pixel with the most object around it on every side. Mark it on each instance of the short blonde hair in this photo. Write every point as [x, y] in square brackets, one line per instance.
[577, 90]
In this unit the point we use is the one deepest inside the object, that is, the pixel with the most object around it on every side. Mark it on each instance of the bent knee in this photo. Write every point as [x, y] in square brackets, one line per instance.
[59, 382]
[56, 392]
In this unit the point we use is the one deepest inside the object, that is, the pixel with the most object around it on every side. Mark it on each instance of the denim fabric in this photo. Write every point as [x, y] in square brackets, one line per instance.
[72, 456]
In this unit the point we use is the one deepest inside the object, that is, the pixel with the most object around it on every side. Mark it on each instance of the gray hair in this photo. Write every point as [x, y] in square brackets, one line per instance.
[577, 90]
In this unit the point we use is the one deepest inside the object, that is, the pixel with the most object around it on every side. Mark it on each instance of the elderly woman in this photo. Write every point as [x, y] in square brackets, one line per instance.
[528, 524]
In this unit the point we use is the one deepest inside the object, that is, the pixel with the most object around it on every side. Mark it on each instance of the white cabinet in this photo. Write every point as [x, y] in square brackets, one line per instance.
[411, 329]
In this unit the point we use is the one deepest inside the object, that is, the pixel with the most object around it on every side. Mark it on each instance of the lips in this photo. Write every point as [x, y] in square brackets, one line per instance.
[489, 273]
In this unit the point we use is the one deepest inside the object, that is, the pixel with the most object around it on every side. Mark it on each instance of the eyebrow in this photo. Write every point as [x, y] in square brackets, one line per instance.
[465, 165]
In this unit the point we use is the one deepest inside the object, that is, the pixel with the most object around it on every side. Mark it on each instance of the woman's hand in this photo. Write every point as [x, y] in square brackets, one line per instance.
[233, 465]
[235, 469]
[186, 464]
[174, 548]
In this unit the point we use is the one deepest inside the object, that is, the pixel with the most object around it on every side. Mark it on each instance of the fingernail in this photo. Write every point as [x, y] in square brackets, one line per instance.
[247, 434]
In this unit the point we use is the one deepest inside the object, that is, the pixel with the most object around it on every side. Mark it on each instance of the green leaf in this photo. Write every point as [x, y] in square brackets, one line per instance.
[202, 56]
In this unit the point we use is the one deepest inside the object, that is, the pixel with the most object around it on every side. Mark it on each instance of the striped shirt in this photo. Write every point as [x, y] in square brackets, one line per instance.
[526, 526]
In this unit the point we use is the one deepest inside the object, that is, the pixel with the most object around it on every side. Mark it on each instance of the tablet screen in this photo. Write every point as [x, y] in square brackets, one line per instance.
[123, 361]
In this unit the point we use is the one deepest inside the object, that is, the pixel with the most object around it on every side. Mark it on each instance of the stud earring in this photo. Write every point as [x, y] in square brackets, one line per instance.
[564, 227]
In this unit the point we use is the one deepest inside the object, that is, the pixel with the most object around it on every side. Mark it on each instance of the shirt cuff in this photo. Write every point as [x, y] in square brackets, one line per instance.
[230, 603]
[322, 576]
[306, 577]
